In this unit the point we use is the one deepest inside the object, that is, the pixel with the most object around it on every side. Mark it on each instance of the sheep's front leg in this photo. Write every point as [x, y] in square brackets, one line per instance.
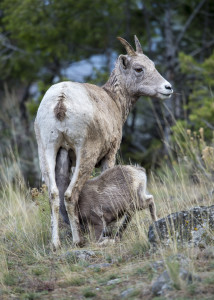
[109, 160]
[71, 204]
[84, 167]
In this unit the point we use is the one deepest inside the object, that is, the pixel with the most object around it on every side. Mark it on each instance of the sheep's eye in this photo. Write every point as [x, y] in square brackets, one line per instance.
[139, 70]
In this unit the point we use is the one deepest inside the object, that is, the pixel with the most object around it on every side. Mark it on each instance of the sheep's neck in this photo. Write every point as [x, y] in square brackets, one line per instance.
[119, 94]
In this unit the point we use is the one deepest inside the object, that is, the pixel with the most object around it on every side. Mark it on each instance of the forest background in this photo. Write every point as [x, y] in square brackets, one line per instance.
[46, 41]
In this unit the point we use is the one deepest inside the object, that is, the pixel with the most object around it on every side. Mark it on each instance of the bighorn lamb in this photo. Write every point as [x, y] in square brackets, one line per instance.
[106, 198]
[87, 121]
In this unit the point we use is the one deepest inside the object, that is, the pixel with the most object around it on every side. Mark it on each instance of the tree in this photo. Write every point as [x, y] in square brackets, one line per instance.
[39, 39]
[200, 104]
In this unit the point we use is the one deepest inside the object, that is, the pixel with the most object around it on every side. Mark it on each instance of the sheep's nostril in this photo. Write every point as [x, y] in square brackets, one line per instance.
[168, 87]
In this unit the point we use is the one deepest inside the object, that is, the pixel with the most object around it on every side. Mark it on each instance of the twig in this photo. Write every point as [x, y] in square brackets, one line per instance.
[207, 45]
[6, 44]
[208, 124]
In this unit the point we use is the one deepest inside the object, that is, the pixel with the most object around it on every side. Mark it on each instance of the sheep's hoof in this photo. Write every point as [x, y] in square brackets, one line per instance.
[79, 243]
[106, 242]
[56, 246]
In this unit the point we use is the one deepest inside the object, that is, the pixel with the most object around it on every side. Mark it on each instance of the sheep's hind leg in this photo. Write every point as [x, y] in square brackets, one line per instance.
[50, 162]
[148, 200]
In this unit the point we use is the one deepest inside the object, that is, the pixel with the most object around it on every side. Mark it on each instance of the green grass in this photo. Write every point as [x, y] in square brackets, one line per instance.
[11, 279]
[88, 293]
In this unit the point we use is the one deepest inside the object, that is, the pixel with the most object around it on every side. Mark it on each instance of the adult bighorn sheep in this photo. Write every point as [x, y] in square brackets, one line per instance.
[118, 191]
[87, 121]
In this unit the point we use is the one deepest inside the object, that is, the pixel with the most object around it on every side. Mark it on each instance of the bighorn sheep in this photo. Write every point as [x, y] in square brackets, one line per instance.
[106, 198]
[87, 121]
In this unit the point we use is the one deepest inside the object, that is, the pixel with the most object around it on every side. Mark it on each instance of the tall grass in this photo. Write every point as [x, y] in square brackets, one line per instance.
[25, 226]
[187, 183]
[25, 220]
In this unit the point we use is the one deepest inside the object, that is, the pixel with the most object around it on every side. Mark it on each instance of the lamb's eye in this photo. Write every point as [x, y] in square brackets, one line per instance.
[139, 70]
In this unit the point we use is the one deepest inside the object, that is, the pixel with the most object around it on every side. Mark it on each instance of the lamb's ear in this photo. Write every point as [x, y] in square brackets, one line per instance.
[124, 62]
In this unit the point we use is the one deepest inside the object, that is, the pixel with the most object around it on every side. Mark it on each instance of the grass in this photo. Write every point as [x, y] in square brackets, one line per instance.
[88, 293]
[30, 270]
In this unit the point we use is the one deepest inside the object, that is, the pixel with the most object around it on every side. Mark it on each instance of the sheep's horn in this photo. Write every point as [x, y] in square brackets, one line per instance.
[130, 51]
[138, 45]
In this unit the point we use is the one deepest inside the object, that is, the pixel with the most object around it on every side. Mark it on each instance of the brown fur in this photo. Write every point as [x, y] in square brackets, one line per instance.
[60, 109]
[116, 192]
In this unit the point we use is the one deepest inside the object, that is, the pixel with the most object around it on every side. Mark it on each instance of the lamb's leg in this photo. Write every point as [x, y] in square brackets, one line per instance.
[146, 200]
[152, 207]
[103, 225]
[83, 170]
[101, 239]
[123, 226]
[98, 229]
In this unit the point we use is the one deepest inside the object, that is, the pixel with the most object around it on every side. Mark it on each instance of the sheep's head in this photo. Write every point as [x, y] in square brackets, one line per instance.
[139, 74]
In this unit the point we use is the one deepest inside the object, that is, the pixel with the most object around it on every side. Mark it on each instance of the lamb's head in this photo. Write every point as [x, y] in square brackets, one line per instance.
[139, 75]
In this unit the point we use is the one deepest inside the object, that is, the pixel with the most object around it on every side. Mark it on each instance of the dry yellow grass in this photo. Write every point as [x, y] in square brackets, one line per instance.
[30, 270]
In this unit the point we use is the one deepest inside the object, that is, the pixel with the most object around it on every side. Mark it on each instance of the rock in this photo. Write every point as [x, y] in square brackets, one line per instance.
[161, 284]
[164, 282]
[76, 255]
[159, 264]
[127, 293]
[180, 258]
[192, 226]
[113, 281]
[207, 253]
[185, 275]
[99, 266]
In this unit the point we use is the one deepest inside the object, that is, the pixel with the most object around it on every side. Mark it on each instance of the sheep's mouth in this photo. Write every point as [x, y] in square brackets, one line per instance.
[163, 95]
[166, 95]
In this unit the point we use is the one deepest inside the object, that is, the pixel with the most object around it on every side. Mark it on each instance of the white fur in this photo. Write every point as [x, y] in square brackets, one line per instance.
[88, 120]
[78, 107]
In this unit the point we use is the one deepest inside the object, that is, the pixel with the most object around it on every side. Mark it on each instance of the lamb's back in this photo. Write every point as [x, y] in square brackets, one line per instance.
[112, 191]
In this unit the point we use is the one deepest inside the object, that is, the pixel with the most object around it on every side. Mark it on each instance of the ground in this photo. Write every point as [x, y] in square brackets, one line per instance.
[107, 275]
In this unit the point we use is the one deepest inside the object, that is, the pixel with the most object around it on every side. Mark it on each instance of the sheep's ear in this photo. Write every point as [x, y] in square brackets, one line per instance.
[124, 62]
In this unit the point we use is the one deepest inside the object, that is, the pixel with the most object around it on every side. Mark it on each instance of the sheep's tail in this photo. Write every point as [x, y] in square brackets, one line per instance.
[60, 108]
